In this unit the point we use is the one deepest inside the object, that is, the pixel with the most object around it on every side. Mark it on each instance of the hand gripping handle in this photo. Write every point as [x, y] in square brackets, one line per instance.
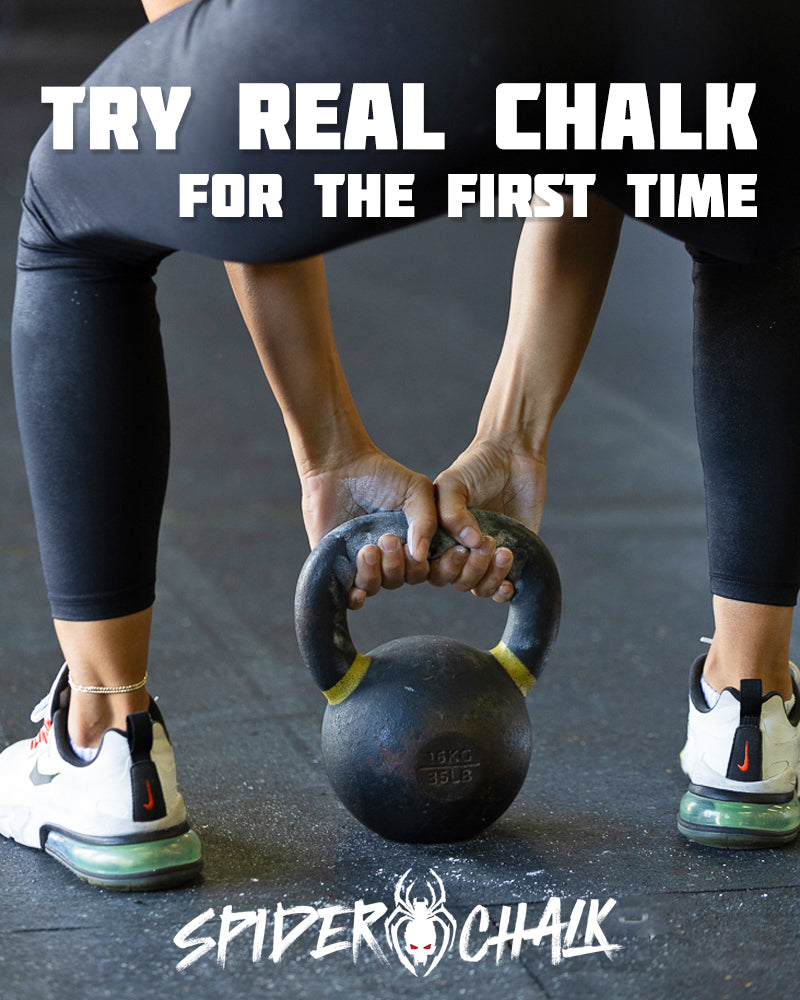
[328, 574]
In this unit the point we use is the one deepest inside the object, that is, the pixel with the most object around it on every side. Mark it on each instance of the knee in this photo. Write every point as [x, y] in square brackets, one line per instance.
[61, 230]
[38, 233]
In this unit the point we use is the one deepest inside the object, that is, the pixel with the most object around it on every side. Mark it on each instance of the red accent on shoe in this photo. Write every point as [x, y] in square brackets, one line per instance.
[746, 765]
[41, 736]
[151, 801]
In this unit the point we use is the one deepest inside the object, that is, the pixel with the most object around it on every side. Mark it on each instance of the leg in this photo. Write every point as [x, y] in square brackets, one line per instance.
[743, 748]
[93, 411]
[748, 409]
[91, 398]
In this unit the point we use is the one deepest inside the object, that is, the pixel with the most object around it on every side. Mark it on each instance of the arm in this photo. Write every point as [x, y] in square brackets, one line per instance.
[560, 276]
[561, 272]
[343, 474]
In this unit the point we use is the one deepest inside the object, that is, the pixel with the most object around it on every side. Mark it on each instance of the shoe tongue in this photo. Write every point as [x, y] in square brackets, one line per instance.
[46, 708]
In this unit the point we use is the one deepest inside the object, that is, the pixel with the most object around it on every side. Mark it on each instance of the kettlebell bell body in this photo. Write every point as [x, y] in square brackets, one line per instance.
[426, 739]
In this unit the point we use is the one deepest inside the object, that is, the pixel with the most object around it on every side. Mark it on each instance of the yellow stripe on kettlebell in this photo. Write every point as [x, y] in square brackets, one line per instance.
[346, 686]
[514, 667]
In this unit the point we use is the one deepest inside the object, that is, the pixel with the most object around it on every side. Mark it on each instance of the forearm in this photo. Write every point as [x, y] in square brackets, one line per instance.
[285, 307]
[560, 276]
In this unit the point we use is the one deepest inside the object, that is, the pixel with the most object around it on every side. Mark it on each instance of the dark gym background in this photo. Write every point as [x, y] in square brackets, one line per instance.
[419, 318]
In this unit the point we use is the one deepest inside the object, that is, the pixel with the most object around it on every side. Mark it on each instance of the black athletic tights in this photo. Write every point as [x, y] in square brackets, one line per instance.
[88, 366]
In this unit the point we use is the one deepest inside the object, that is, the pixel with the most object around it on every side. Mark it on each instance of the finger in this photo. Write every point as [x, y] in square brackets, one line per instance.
[420, 511]
[477, 565]
[451, 502]
[356, 598]
[393, 563]
[416, 571]
[495, 575]
[448, 567]
[368, 570]
[504, 592]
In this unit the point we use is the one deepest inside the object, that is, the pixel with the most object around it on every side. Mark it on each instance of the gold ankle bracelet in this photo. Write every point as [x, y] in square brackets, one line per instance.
[97, 689]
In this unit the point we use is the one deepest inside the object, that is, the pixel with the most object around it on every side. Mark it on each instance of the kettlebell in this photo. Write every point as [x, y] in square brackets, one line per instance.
[425, 739]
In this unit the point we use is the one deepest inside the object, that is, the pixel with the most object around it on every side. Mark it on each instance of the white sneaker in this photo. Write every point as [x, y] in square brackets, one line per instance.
[117, 821]
[743, 761]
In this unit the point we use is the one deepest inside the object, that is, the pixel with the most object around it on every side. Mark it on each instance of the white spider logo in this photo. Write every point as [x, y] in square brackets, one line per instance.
[419, 921]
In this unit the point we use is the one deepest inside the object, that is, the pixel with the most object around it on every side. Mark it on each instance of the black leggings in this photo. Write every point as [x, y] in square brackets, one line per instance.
[747, 404]
[88, 366]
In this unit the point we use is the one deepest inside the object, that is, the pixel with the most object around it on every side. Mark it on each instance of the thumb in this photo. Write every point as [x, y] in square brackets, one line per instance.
[451, 500]
[420, 510]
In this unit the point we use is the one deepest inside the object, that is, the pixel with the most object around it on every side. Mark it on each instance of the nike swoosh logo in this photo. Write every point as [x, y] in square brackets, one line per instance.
[39, 778]
[746, 765]
[151, 801]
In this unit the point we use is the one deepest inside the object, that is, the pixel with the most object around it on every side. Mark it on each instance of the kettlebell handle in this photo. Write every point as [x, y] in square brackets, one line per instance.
[328, 574]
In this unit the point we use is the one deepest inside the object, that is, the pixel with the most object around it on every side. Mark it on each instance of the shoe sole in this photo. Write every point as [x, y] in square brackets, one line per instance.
[738, 825]
[138, 866]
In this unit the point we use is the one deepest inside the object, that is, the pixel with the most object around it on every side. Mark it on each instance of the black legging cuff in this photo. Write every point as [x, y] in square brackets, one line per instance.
[98, 607]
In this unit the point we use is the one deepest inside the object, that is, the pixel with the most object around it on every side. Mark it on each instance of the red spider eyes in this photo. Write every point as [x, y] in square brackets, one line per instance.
[414, 947]
[427, 947]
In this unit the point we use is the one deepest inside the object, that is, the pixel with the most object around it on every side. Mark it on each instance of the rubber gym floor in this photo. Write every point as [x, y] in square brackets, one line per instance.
[419, 317]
